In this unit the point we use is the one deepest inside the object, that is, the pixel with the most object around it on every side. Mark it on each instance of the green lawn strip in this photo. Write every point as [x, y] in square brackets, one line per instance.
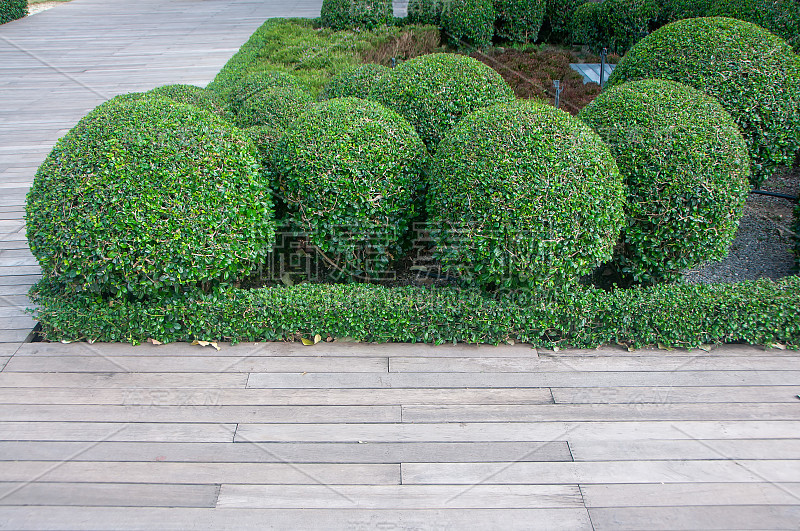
[680, 315]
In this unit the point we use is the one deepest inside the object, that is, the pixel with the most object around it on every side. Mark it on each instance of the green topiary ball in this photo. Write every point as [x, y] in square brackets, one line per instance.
[12, 10]
[349, 171]
[522, 195]
[143, 197]
[186, 94]
[434, 91]
[626, 22]
[519, 20]
[685, 164]
[264, 99]
[586, 26]
[468, 22]
[356, 82]
[781, 17]
[364, 14]
[754, 74]
[425, 11]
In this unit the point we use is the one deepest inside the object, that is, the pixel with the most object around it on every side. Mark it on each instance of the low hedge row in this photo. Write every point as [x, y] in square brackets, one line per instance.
[12, 10]
[756, 312]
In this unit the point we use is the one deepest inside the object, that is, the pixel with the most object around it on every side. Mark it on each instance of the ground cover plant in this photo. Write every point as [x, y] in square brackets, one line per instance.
[176, 238]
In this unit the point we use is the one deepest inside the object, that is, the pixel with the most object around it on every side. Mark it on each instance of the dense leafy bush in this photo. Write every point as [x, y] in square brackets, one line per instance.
[754, 74]
[425, 11]
[249, 100]
[685, 165]
[186, 94]
[558, 14]
[586, 26]
[672, 10]
[364, 14]
[683, 315]
[468, 22]
[519, 20]
[349, 170]
[434, 91]
[12, 10]
[149, 195]
[796, 229]
[356, 82]
[781, 17]
[627, 21]
[523, 194]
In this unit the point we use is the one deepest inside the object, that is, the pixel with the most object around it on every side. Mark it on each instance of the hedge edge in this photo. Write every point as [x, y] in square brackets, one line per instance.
[684, 315]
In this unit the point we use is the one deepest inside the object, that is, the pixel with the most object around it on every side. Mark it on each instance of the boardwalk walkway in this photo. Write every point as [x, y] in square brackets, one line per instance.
[344, 436]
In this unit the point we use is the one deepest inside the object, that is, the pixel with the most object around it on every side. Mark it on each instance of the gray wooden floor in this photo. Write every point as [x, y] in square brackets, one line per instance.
[110, 436]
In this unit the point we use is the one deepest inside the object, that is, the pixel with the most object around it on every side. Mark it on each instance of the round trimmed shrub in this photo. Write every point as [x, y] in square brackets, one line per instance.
[523, 195]
[349, 170]
[434, 91]
[12, 10]
[468, 22]
[519, 20]
[586, 26]
[686, 168]
[356, 82]
[347, 14]
[425, 11]
[275, 108]
[185, 94]
[149, 196]
[781, 17]
[626, 22]
[754, 74]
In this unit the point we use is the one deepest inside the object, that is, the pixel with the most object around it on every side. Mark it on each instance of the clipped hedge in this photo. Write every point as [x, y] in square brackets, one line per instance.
[519, 20]
[686, 169]
[12, 10]
[586, 26]
[468, 22]
[425, 11]
[143, 197]
[673, 10]
[758, 312]
[349, 170]
[626, 22]
[754, 74]
[781, 17]
[558, 16]
[434, 91]
[348, 14]
[356, 82]
[522, 195]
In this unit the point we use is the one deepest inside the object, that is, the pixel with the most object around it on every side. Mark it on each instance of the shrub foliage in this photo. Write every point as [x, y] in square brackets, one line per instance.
[356, 82]
[146, 196]
[754, 74]
[468, 22]
[434, 91]
[364, 14]
[349, 170]
[12, 10]
[425, 11]
[686, 168]
[523, 194]
[519, 20]
[781, 17]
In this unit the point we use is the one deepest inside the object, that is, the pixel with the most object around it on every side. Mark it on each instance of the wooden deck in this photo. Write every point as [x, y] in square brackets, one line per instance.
[343, 436]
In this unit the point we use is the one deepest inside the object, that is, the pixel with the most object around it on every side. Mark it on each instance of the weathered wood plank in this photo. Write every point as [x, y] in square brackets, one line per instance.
[93, 432]
[754, 448]
[520, 431]
[14, 336]
[196, 364]
[203, 473]
[594, 412]
[269, 397]
[587, 472]
[108, 495]
[314, 452]
[687, 494]
[556, 379]
[696, 518]
[335, 349]
[700, 362]
[180, 519]
[123, 380]
[674, 395]
[208, 412]
[399, 497]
